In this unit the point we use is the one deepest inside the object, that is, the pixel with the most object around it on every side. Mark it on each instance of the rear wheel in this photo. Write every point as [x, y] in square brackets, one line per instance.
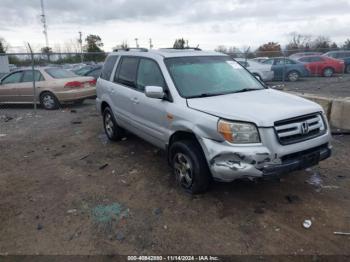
[189, 166]
[49, 101]
[112, 130]
[293, 76]
[328, 72]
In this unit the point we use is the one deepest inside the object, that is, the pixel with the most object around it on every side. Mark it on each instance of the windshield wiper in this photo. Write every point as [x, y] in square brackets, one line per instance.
[206, 95]
[247, 90]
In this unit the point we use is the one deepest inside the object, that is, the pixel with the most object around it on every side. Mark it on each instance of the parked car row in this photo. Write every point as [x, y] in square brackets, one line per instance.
[301, 65]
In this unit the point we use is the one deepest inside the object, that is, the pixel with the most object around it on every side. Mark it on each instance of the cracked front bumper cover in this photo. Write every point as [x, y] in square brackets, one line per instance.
[257, 161]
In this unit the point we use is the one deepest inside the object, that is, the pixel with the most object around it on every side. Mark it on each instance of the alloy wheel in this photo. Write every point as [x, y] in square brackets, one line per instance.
[183, 169]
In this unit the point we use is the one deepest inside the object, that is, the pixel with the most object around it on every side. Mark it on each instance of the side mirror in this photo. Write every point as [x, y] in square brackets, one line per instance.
[154, 92]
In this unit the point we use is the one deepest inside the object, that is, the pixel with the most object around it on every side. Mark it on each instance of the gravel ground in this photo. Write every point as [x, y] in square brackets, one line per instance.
[337, 86]
[65, 189]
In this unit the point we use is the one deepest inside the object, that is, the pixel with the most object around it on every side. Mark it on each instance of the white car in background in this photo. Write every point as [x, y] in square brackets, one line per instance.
[261, 71]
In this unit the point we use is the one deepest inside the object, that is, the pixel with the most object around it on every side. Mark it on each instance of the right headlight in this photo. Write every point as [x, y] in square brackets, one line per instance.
[238, 132]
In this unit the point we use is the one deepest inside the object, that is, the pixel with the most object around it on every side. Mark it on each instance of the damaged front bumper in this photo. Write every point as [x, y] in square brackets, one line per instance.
[228, 163]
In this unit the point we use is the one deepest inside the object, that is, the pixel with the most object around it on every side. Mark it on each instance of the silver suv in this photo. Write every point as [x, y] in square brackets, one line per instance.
[214, 119]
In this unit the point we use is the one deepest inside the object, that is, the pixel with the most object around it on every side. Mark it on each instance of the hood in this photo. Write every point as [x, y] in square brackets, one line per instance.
[262, 107]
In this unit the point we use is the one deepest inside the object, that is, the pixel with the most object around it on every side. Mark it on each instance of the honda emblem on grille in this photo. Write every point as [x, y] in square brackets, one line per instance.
[304, 128]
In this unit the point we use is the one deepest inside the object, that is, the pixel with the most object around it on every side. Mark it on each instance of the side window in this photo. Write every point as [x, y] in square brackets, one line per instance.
[269, 62]
[304, 59]
[127, 71]
[279, 62]
[13, 78]
[316, 59]
[28, 76]
[108, 67]
[149, 74]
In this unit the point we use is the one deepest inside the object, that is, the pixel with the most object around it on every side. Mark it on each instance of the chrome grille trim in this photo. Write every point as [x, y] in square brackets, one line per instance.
[301, 128]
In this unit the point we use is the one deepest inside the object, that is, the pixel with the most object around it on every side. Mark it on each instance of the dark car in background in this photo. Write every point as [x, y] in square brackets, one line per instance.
[285, 68]
[89, 70]
[320, 65]
[342, 55]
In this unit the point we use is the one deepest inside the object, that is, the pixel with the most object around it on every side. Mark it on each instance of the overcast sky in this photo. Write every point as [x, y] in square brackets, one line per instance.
[209, 23]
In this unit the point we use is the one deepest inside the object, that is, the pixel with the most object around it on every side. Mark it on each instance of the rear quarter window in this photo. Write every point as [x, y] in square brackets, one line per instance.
[108, 67]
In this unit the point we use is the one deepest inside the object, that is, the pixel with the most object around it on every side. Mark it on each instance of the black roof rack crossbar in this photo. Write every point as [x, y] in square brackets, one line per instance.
[141, 49]
[185, 48]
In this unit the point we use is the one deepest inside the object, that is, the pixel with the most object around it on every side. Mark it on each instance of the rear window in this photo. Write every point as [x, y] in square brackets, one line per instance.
[59, 73]
[108, 67]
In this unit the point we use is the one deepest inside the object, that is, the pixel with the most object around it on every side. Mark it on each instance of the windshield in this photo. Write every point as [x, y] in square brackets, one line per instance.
[199, 76]
[59, 73]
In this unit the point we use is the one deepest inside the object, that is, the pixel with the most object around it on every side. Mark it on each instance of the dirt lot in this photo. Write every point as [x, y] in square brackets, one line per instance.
[64, 189]
[337, 86]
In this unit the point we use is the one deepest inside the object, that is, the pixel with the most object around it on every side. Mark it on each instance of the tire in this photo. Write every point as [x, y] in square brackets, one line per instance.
[328, 72]
[112, 130]
[293, 76]
[49, 101]
[190, 166]
[347, 69]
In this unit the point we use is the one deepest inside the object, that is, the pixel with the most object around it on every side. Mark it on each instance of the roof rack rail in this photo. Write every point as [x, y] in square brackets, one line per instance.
[185, 48]
[141, 49]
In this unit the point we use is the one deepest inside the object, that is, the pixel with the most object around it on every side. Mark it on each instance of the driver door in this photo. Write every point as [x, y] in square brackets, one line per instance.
[8, 87]
[149, 113]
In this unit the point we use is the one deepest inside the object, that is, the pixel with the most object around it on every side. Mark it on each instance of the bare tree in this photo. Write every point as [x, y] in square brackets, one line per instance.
[122, 45]
[321, 44]
[3, 45]
[221, 49]
[298, 43]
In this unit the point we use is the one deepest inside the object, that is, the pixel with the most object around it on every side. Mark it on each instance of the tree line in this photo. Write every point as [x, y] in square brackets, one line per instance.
[297, 43]
[93, 45]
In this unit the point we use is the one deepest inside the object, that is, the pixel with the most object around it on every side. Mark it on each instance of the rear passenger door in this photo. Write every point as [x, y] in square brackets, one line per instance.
[25, 87]
[124, 90]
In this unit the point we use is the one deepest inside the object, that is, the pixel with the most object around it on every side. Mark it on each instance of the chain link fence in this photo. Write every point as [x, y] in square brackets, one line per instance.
[21, 88]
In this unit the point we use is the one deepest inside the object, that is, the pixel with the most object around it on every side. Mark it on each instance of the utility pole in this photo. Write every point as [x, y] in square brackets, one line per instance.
[43, 20]
[137, 43]
[80, 40]
[150, 43]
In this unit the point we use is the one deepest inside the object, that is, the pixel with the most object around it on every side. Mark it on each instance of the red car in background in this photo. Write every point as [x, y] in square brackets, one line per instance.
[322, 65]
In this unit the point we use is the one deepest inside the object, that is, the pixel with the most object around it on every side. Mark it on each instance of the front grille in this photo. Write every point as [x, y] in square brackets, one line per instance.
[299, 129]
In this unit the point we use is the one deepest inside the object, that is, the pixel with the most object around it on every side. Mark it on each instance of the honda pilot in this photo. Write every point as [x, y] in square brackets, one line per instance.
[211, 116]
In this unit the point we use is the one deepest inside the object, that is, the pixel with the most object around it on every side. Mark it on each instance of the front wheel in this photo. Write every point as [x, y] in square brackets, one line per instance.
[189, 166]
[293, 76]
[328, 72]
[49, 101]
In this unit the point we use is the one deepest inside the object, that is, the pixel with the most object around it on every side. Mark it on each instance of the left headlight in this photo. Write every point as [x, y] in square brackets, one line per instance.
[238, 133]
